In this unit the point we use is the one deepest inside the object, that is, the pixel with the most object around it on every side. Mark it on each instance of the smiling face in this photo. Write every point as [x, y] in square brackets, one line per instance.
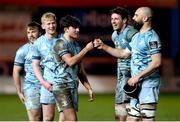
[117, 22]
[72, 32]
[32, 34]
[49, 25]
[71, 27]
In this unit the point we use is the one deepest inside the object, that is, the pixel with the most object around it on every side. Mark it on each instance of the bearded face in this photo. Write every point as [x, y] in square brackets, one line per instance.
[138, 24]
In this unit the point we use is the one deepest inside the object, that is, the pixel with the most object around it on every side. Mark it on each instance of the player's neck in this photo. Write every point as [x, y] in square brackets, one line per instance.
[146, 27]
[123, 27]
[49, 36]
[67, 37]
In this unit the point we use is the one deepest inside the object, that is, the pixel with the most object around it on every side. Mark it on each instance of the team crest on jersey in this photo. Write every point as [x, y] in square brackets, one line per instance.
[123, 41]
[116, 43]
[153, 44]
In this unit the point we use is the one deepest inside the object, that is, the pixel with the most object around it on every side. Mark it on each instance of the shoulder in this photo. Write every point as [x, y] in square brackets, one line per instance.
[60, 44]
[40, 40]
[23, 49]
[130, 31]
[153, 40]
[114, 35]
[60, 41]
[152, 35]
[22, 52]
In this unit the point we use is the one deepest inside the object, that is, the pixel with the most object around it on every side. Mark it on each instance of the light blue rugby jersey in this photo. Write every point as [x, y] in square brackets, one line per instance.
[143, 46]
[122, 41]
[43, 51]
[64, 72]
[24, 59]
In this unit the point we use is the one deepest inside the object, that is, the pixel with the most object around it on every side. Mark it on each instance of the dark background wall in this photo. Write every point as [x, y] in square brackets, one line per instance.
[95, 19]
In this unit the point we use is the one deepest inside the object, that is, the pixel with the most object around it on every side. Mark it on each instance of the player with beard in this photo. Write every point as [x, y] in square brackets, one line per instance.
[29, 91]
[145, 50]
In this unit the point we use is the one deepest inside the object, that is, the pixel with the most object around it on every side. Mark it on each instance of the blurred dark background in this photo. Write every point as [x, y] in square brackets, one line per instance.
[95, 19]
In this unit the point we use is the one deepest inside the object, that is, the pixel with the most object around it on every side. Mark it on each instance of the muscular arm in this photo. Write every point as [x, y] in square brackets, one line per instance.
[116, 52]
[155, 63]
[17, 81]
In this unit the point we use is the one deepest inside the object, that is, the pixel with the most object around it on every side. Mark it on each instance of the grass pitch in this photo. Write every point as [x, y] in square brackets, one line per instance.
[102, 109]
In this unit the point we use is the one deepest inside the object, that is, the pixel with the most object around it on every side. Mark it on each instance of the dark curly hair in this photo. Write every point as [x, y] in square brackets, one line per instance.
[124, 13]
[68, 21]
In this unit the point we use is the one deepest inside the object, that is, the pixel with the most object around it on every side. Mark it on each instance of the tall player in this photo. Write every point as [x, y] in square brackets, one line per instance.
[121, 38]
[145, 50]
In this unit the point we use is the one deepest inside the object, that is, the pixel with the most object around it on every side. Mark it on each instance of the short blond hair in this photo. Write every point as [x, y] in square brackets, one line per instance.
[48, 15]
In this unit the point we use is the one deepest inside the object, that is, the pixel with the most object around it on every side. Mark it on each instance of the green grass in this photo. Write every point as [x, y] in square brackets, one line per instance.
[101, 109]
[168, 107]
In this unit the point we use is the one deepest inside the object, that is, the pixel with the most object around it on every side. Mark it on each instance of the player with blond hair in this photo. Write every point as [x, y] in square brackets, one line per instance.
[43, 64]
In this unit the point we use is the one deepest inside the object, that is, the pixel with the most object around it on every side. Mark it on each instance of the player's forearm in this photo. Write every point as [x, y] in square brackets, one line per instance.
[77, 58]
[118, 53]
[38, 73]
[155, 63]
[87, 85]
[82, 75]
[83, 78]
[17, 81]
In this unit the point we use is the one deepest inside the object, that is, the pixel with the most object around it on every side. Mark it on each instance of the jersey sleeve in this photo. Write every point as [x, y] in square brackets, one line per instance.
[35, 52]
[113, 36]
[19, 58]
[61, 48]
[154, 44]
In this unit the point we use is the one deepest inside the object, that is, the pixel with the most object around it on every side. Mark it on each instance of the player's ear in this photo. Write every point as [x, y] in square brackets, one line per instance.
[40, 33]
[125, 20]
[65, 29]
[145, 18]
[42, 25]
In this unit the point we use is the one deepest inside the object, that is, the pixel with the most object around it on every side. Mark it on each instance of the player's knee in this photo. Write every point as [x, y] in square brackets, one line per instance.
[148, 112]
[48, 118]
[37, 116]
[134, 112]
[120, 110]
[61, 117]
